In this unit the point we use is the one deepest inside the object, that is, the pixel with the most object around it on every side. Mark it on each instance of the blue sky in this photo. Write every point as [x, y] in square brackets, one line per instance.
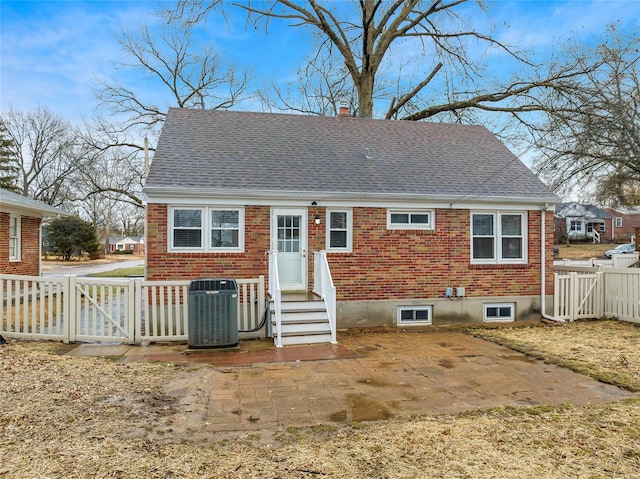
[52, 52]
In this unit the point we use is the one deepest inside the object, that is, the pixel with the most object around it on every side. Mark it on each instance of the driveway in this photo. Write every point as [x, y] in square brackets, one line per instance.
[54, 270]
[367, 377]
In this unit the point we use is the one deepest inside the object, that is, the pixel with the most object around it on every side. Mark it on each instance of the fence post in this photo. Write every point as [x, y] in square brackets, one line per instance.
[69, 306]
[573, 296]
[137, 311]
[599, 294]
[131, 310]
[556, 296]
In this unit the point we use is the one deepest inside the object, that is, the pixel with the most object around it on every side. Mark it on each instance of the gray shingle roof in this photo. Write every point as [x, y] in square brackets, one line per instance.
[214, 152]
[574, 209]
[8, 198]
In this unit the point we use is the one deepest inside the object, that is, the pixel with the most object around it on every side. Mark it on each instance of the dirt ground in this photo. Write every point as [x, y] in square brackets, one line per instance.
[64, 416]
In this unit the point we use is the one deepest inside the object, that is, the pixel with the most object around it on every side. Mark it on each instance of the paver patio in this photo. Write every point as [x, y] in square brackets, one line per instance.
[368, 376]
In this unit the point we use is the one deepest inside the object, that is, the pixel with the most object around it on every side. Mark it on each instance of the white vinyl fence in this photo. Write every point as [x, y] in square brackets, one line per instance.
[132, 311]
[596, 293]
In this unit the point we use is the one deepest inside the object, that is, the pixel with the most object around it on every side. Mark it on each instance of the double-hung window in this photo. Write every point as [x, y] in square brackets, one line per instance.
[207, 229]
[225, 228]
[498, 237]
[339, 230]
[619, 222]
[410, 220]
[14, 238]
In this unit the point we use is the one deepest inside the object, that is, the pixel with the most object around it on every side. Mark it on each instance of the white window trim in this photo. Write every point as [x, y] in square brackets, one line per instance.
[497, 235]
[618, 221]
[349, 247]
[579, 225]
[399, 310]
[411, 226]
[499, 319]
[205, 227]
[17, 237]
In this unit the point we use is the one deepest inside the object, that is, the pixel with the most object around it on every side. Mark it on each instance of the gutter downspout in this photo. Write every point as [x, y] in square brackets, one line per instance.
[543, 266]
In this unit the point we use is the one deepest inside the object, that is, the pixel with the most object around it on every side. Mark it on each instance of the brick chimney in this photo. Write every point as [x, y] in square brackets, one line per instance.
[344, 109]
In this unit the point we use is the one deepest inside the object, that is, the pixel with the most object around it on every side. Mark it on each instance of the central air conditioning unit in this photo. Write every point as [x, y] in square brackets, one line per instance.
[213, 313]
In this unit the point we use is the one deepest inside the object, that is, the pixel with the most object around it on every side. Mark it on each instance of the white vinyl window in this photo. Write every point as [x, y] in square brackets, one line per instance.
[619, 222]
[207, 229]
[339, 230]
[410, 219]
[498, 237]
[575, 225]
[14, 238]
[418, 315]
[500, 312]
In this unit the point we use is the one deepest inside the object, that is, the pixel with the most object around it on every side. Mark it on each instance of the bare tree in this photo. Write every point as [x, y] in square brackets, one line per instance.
[364, 34]
[46, 153]
[592, 138]
[320, 87]
[188, 77]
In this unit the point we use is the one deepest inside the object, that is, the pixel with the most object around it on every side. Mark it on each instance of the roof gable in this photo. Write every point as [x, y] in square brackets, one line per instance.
[226, 152]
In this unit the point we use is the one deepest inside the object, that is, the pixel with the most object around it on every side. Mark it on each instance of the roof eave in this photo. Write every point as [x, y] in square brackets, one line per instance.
[172, 192]
[35, 211]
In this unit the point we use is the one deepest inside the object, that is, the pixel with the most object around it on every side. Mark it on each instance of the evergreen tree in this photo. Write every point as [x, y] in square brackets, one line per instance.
[72, 236]
[8, 164]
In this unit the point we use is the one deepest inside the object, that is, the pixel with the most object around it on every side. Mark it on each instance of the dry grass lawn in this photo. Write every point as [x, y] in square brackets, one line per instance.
[583, 250]
[63, 416]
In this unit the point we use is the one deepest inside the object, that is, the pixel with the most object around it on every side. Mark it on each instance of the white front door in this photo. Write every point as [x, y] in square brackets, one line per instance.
[289, 238]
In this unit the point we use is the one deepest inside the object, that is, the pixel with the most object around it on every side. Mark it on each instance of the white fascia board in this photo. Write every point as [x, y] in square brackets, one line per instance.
[351, 201]
[26, 211]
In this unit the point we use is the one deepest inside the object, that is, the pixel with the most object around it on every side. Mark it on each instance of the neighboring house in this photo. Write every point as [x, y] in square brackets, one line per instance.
[422, 223]
[126, 243]
[20, 219]
[582, 222]
[625, 221]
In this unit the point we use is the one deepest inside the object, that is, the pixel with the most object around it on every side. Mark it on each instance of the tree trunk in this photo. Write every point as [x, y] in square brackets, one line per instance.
[365, 95]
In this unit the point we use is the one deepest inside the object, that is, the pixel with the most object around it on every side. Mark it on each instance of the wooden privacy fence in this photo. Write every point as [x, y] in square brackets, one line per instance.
[592, 293]
[132, 311]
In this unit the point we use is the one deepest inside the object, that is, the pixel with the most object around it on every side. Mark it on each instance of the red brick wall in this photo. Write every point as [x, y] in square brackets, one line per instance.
[398, 264]
[384, 264]
[29, 263]
[163, 265]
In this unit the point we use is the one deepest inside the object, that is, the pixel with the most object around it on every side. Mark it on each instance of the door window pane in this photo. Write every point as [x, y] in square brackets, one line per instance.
[289, 233]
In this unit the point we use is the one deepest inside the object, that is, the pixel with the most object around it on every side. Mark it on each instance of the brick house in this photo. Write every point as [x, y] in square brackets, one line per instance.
[624, 222]
[20, 244]
[422, 223]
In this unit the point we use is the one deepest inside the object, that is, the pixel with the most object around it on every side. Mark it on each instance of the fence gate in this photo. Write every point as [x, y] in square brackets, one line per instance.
[101, 311]
[577, 296]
